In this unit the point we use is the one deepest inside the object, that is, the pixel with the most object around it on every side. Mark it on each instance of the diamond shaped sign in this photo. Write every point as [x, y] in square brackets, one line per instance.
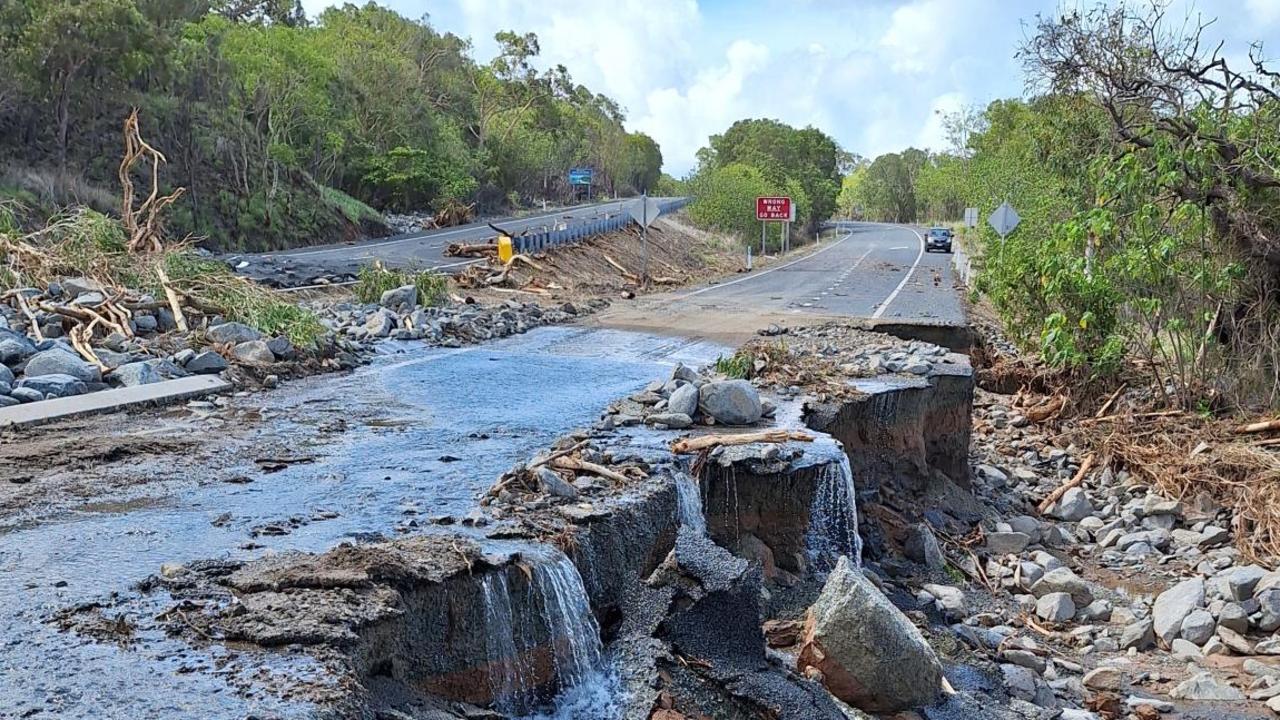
[1004, 220]
[644, 210]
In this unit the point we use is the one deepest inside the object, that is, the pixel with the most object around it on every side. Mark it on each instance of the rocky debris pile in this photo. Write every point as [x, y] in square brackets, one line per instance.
[38, 361]
[823, 360]
[1113, 592]
[410, 222]
[689, 398]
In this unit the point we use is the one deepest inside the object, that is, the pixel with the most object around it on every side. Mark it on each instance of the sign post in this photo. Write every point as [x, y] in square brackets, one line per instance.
[644, 211]
[971, 217]
[773, 208]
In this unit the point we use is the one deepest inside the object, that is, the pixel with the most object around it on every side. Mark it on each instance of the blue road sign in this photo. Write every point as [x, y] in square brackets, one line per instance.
[580, 176]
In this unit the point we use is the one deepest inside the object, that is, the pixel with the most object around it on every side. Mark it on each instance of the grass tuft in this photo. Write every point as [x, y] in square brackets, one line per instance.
[376, 279]
[738, 366]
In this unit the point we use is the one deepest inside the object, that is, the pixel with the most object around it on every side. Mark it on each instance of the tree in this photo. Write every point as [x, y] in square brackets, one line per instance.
[67, 44]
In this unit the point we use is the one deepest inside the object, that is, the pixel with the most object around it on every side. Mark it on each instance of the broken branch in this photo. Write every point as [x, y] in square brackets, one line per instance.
[684, 446]
[1063, 488]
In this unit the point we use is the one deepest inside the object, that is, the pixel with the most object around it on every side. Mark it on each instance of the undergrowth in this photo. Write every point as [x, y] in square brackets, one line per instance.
[87, 243]
[374, 280]
[737, 366]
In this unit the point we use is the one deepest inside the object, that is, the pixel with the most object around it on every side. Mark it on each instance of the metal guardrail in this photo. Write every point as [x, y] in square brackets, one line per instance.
[535, 242]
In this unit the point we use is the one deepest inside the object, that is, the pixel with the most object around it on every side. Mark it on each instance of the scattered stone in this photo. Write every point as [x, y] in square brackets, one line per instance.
[684, 400]
[1203, 686]
[1236, 642]
[401, 299]
[673, 420]
[1007, 543]
[1073, 506]
[51, 386]
[1056, 607]
[136, 373]
[206, 363]
[950, 600]
[922, 546]
[1173, 606]
[552, 484]
[62, 361]
[1106, 677]
[232, 333]
[1139, 635]
[253, 352]
[1198, 627]
[1064, 580]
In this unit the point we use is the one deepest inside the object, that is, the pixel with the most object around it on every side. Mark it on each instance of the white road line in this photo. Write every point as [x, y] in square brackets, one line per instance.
[752, 276]
[885, 305]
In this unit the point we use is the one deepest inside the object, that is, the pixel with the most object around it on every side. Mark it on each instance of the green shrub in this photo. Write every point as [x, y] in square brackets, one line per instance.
[737, 366]
[374, 280]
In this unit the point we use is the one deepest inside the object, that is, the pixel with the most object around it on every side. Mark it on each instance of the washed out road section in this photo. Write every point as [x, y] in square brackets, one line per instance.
[414, 436]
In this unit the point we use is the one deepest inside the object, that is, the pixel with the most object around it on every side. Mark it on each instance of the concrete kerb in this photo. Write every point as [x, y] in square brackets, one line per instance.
[161, 393]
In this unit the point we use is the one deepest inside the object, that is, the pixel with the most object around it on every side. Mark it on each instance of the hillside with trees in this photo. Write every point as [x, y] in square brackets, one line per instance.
[286, 131]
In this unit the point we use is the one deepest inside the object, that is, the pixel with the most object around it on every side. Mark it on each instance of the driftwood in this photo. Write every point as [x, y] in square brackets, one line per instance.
[627, 274]
[1062, 489]
[569, 463]
[175, 303]
[143, 223]
[1258, 427]
[465, 250]
[684, 446]
[454, 213]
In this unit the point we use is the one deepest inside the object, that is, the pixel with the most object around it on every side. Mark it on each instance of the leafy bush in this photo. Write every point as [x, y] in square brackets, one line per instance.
[737, 366]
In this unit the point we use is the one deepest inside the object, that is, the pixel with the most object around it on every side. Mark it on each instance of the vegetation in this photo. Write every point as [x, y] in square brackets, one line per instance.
[374, 280]
[285, 131]
[738, 366]
[764, 157]
[1144, 173]
[87, 243]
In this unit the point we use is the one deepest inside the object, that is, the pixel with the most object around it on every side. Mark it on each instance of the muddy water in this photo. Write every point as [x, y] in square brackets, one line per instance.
[439, 426]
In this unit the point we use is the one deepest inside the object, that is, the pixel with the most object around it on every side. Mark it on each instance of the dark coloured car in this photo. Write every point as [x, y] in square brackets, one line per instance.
[938, 239]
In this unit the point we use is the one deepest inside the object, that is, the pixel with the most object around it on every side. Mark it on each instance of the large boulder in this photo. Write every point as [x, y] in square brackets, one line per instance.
[136, 373]
[401, 299]
[232, 333]
[868, 653]
[52, 386]
[60, 361]
[206, 363]
[730, 402]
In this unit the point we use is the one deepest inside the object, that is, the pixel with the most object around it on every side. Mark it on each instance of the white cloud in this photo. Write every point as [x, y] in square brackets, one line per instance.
[872, 73]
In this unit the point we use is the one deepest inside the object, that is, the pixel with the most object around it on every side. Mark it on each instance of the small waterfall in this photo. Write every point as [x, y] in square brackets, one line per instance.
[556, 616]
[833, 516]
[689, 504]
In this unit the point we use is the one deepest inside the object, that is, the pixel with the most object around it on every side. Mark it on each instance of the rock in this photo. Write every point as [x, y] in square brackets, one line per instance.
[552, 484]
[7, 401]
[1022, 682]
[1056, 607]
[231, 333]
[1269, 608]
[1238, 582]
[684, 400]
[673, 420]
[685, 373]
[52, 386]
[26, 395]
[1173, 606]
[1234, 616]
[949, 599]
[253, 352]
[1198, 627]
[1007, 543]
[1025, 658]
[401, 299]
[1133, 702]
[1073, 506]
[380, 323]
[730, 402]
[1137, 635]
[1063, 580]
[57, 361]
[1203, 686]
[922, 546]
[868, 653]
[1237, 643]
[135, 373]
[206, 363]
[6, 375]
[1185, 650]
[74, 287]
[15, 347]
[282, 348]
[145, 323]
[1106, 677]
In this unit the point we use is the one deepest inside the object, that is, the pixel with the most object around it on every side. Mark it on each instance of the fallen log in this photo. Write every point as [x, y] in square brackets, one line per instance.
[625, 273]
[1062, 489]
[465, 250]
[684, 446]
[569, 463]
[1258, 427]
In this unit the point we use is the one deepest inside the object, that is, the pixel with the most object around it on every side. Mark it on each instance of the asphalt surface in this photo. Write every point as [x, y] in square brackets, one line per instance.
[871, 271]
[420, 250]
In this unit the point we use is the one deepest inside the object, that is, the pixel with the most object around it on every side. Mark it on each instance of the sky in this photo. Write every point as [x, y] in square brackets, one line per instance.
[877, 75]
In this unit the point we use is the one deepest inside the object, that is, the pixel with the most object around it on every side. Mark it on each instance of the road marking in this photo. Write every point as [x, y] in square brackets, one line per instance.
[765, 272]
[885, 305]
[901, 247]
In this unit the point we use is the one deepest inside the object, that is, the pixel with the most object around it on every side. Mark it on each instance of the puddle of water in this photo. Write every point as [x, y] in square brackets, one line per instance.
[487, 406]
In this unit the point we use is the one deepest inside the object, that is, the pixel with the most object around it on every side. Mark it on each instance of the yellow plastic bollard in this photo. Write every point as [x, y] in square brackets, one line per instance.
[504, 249]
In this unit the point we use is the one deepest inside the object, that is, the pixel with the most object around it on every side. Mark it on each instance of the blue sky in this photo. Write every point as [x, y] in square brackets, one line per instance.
[875, 74]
